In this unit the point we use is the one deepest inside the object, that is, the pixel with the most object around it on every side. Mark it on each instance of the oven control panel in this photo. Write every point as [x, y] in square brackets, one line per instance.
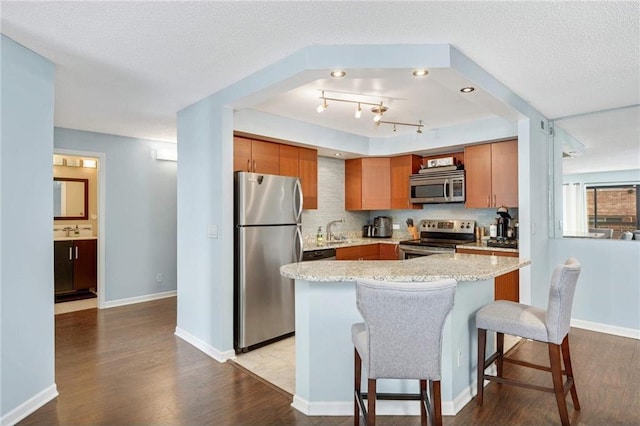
[450, 226]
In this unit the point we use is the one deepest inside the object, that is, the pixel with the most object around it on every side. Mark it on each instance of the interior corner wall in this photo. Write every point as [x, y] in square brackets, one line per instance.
[140, 212]
[205, 195]
[533, 176]
[26, 273]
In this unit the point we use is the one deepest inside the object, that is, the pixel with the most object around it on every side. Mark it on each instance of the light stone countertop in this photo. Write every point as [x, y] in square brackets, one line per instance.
[359, 241]
[483, 246]
[73, 238]
[351, 242]
[461, 267]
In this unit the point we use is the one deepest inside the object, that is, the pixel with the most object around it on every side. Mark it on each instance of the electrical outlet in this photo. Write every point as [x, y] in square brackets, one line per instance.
[459, 357]
[396, 226]
[159, 277]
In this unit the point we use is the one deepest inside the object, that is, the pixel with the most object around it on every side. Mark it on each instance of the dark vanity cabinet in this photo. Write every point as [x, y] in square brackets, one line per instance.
[75, 265]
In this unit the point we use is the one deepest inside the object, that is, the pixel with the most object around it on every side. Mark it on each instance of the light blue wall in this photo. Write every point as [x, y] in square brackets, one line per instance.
[205, 197]
[26, 279]
[140, 211]
[608, 291]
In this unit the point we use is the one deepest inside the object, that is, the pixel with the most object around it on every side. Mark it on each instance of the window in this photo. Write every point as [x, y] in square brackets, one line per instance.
[613, 207]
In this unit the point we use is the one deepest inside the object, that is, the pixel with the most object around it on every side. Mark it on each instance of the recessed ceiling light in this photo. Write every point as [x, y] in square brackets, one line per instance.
[420, 73]
[467, 89]
[338, 154]
[338, 74]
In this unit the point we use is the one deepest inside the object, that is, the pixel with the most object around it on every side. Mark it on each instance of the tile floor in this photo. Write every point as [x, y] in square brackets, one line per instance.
[76, 305]
[276, 363]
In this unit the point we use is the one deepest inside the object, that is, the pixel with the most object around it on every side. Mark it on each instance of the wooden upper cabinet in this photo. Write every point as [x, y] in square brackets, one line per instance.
[367, 184]
[289, 161]
[241, 154]
[265, 157]
[504, 173]
[477, 166]
[401, 168]
[256, 156]
[303, 164]
[491, 175]
[353, 184]
[308, 174]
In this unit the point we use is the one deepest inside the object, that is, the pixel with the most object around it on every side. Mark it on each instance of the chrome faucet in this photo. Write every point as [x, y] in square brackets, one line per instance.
[328, 228]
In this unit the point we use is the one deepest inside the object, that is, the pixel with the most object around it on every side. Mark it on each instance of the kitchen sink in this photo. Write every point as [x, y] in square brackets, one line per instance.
[336, 242]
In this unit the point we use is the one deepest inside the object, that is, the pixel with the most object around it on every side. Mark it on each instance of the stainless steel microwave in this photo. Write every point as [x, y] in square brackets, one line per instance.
[437, 187]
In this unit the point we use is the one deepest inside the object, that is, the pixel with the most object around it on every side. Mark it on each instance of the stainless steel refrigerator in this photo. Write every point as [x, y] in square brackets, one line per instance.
[268, 234]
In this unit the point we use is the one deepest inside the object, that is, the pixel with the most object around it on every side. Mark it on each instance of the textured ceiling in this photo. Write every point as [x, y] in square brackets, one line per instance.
[127, 67]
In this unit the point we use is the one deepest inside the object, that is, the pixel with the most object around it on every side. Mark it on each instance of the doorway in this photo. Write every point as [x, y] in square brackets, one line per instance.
[78, 230]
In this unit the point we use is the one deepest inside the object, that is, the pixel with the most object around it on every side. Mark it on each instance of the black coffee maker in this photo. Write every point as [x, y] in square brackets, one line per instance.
[504, 224]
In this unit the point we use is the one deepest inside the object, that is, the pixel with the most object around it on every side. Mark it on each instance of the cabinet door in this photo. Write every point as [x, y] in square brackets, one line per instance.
[308, 173]
[348, 253]
[63, 266]
[507, 286]
[241, 154]
[85, 264]
[388, 251]
[353, 184]
[289, 161]
[265, 157]
[401, 168]
[376, 183]
[370, 252]
[477, 165]
[504, 173]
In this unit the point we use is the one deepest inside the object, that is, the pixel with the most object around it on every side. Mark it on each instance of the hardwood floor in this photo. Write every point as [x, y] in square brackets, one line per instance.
[124, 366]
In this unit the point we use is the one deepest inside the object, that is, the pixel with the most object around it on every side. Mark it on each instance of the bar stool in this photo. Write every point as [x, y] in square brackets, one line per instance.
[401, 338]
[550, 327]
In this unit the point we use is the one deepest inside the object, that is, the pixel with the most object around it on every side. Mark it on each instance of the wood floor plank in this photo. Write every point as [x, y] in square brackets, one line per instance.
[124, 366]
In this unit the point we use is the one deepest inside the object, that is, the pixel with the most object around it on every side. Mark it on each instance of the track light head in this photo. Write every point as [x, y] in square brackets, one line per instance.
[359, 112]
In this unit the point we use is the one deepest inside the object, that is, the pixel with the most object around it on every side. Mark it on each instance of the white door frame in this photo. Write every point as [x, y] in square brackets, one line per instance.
[101, 156]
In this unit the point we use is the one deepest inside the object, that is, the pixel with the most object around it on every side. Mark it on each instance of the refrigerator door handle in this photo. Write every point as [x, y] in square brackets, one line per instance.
[297, 196]
[300, 244]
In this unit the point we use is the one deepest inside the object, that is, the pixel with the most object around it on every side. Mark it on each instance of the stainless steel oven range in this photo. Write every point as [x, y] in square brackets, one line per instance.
[438, 236]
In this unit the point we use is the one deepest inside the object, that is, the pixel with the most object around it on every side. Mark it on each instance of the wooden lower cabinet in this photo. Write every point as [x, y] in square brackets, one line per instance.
[75, 265]
[381, 251]
[388, 251]
[507, 286]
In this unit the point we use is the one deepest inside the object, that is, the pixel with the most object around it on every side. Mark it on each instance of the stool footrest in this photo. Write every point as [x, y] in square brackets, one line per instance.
[395, 396]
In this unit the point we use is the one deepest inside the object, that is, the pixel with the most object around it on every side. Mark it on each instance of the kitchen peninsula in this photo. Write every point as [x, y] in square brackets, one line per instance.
[325, 304]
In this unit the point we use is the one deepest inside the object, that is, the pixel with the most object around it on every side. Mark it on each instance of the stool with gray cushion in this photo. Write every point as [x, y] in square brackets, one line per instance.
[550, 326]
[401, 338]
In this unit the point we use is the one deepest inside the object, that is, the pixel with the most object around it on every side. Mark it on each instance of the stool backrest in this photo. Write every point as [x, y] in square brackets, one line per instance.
[404, 323]
[561, 291]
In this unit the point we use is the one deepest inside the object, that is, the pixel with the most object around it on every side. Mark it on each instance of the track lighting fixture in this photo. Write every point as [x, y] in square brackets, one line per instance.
[378, 109]
[323, 105]
[397, 123]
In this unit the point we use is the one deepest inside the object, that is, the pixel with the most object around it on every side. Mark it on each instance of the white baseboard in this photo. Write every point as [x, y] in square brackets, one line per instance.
[605, 328]
[29, 406]
[387, 408]
[383, 408]
[139, 299]
[220, 356]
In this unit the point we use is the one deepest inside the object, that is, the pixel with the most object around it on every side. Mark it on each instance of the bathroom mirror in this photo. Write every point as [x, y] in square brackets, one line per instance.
[70, 198]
